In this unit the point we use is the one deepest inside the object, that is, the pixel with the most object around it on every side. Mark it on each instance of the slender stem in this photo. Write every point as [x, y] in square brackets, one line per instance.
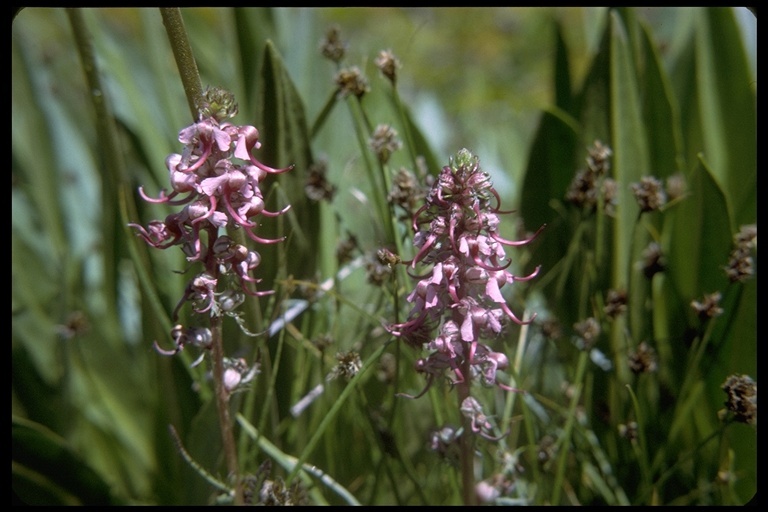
[406, 126]
[109, 141]
[185, 60]
[222, 406]
[467, 440]
[335, 408]
[190, 78]
[564, 442]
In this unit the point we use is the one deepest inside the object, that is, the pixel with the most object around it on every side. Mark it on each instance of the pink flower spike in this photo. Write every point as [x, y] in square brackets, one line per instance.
[200, 161]
[498, 203]
[211, 210]
[415, 220]
[480, 263]
[529, 276]
[424, 250]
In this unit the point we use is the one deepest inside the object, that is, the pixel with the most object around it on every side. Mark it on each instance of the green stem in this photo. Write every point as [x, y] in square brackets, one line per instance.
[185, 60]
[467, 441]
[109, 142]
[362, 131]
[331, 414]
[639, 446]
[565, 441]
[406, 127]
[324, 113]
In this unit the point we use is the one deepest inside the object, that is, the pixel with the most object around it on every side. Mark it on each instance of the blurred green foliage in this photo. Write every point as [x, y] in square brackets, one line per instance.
[670, 90]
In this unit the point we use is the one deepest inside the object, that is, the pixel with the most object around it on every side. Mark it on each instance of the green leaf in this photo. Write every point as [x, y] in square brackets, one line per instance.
[554, 149]
[700, 239]
[46, 471]
[660, 112]
[253, 25]
[630, 163]
[728, 110]
[285, 141]
[630, 148]
[550, 168]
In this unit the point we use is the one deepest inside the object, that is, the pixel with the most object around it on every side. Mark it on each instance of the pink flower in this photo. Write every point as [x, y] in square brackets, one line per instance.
[457, 236]
[216, 181]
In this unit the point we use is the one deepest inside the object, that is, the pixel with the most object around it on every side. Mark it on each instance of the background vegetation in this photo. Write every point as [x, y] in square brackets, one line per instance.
[672, 92]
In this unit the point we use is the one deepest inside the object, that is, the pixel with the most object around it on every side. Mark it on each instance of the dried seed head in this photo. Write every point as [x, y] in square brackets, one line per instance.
[388, 65]
[384, 142]
[598, 159]
[332, 47]
[649, 194]
[742, 398]
[643, 359]
[709, 306]
[588, 331]
[653, 260]
[740, 265]
[317, 187]
[349, 363]
[351, 81]
[615, 303]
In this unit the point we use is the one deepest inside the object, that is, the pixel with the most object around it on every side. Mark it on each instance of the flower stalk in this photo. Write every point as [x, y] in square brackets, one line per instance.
[460, 298]
[182, 52]
[216, 181]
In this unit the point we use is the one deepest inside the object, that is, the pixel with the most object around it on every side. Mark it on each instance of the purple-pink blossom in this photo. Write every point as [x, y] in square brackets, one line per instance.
[216, 181]
[460, 294]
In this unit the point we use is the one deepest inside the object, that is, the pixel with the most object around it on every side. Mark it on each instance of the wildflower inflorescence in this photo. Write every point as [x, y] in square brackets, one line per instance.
[216, 181]
[460, 298]
[643, 359]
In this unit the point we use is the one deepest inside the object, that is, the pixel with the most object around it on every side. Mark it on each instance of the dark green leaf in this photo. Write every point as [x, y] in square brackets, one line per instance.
[46, 471]
[285, 141]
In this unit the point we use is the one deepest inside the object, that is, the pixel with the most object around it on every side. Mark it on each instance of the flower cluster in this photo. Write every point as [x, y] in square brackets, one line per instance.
[457, 235]
[216, 182]
[216, 192]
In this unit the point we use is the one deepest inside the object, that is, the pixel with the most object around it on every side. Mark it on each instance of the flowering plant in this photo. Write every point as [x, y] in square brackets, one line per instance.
[334, 315]
[457, 236]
